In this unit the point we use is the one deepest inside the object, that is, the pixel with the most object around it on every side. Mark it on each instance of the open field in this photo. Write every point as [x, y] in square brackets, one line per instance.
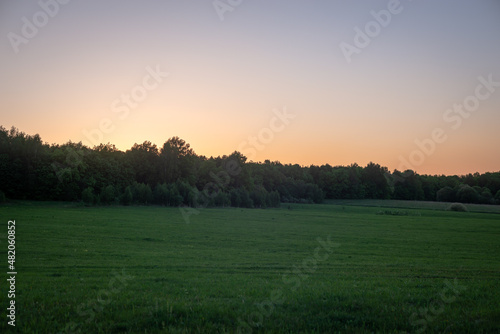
[145, 270]
[382, 203]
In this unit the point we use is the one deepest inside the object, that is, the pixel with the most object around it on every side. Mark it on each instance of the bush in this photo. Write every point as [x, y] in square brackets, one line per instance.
[457, 207]
[186, 191]
[108, 195]
[175, 198]
[142, 193]
[258, 196]
[314, 193]
[222, 199]
[497, 197]
[246, 201]
[446, 194]
[192, 196]
[467, 194]
[160, 195]
[273, 199]
[127, 197]
[485, 196]
[235, 198]
[167, 194]
[88, 196]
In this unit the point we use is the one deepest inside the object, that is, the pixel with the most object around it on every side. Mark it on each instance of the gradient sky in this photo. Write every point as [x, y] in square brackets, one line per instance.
[227, 76]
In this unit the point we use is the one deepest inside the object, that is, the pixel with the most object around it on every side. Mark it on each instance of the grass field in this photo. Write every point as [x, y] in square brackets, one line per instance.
[332, 268]
[413, 205]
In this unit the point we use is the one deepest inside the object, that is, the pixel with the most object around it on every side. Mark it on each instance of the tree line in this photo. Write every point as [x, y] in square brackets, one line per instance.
[174, 175]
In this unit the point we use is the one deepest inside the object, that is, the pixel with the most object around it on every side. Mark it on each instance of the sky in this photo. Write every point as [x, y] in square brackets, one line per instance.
[405, 84]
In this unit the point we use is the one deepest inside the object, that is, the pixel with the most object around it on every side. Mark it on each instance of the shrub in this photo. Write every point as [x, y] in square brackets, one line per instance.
[108, 194]
[258, 196]
[246, 201]
[127, 197]
[273, 199]
[467, 194]
[175, 198]
[222, 199]
[161, 194]
[192, 196]
[485, 196]
[497, 197]
[88, 196]
[142, 193]
[446, 194]
[167, 194]
[457, 207]
[235, 197]
[314, 193]
[186, 191]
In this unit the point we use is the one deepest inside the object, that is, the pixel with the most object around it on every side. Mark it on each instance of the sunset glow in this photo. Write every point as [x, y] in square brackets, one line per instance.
[125, 71]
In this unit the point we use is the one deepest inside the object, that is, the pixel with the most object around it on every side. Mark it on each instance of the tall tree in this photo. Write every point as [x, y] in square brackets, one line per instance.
[175, 157]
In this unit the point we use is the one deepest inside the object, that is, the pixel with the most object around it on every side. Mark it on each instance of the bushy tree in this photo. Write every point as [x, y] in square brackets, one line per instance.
[234, 195]
[467, 194]
[167, 194]
[314, 193]
[144, 160]
[221, 199]
[485, 196]
[108, 195]
[161, 194]
[175, 198]
[176, 160]
[497, 197]
[446, 194]
[407, 186]
[186, 191]
[258, 196]
[88, 196]
[273, 199]
[245, 200]
[31, 169]
[375, 182]
[127, 197]
[142, 193]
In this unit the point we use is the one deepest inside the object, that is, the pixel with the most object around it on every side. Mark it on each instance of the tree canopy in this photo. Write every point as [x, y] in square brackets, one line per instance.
[175, 175]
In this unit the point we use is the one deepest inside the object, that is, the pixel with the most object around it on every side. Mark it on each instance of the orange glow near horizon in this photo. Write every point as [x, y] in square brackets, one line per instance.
[225, 78]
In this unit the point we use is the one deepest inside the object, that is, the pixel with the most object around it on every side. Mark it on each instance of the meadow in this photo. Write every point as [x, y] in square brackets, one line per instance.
[320, 268]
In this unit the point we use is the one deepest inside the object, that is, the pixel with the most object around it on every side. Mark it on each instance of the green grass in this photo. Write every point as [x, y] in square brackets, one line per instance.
[485, 208]
[144, 270]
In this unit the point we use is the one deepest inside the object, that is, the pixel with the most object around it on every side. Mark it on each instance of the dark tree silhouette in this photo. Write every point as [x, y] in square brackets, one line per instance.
[176, 175]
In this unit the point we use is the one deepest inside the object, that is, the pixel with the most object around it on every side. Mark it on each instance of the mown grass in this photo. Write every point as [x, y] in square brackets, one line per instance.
[485, 208]
[145, 270]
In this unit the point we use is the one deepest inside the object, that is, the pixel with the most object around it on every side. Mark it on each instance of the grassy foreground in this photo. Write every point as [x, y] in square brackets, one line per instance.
[300, 268]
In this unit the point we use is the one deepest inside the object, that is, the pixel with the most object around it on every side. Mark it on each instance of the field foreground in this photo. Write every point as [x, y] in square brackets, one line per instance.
[301, 268]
